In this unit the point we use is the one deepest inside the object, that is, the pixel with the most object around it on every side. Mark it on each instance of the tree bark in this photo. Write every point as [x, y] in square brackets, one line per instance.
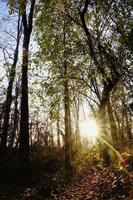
[15, 118]
[24, 120]
[77, 131]
[112, 123]
[58, 128]
[67, 120]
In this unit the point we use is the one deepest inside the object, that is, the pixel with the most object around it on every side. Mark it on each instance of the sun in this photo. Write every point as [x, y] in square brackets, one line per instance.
[89, 130]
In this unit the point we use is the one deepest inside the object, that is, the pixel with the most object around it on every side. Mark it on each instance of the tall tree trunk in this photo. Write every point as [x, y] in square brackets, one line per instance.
[77, 139]
[127, 129]
[24, 120]
[46, 137]
[1, 117]
[102, 111]
[101, 120]
[112, 123]
[58, 128]
[67, 119]
[102, 126]
[66, 99]
[15, 117]
[10, 88]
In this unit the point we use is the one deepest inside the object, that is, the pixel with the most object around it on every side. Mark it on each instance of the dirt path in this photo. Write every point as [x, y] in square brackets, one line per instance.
[80, 188]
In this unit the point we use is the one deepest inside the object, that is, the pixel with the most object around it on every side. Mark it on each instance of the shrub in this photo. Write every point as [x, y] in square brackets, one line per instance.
[112, 184]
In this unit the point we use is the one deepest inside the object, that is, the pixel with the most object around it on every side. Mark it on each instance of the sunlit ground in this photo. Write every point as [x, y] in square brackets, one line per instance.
[89, 130]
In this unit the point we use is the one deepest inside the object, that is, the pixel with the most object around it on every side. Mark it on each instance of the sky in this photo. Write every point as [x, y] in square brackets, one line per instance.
[7, 34]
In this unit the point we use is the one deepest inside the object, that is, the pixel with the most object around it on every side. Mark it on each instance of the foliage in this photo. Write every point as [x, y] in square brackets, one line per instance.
[88, 159]
[109, 184]
[95, 158]
[127, 163]
[112, 184]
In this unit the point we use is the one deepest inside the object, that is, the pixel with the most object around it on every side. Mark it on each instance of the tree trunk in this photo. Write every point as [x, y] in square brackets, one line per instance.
[102, 111]
[66, 100]
[15, 118]
[67, 120]
[112, 123]
[77, 131]
[58, 130]
[24, 120]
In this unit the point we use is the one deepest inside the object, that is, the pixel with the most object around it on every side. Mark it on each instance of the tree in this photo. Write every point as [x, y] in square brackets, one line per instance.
[107, 63]
[27, 22]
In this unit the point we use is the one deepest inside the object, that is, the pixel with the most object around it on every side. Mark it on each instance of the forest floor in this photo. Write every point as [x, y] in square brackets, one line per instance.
[105, 185]
[49, 182]
[88, 185]
[83, 187]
